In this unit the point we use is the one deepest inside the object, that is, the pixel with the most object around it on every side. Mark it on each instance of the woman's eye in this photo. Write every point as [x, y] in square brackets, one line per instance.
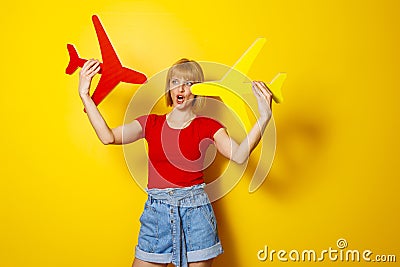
[175, 82]
[189, 83]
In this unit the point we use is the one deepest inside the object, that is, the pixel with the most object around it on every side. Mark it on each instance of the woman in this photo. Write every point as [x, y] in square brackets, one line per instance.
[178, 224]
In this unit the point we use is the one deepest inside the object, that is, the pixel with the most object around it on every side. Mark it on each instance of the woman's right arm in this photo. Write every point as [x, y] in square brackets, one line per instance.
[125, 134]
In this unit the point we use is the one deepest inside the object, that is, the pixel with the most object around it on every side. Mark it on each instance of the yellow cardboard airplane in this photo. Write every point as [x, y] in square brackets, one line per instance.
[233, 91]
[232, 87]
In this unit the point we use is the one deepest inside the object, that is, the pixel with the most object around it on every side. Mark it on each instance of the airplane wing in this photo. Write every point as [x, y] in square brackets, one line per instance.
[243, 64]
[108, 54]
[111, 67]
[106, 84]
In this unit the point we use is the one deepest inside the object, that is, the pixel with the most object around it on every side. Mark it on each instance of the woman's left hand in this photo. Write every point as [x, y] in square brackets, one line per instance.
[264, 99]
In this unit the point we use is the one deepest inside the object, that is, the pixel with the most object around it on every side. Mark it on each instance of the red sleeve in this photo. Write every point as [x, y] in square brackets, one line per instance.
[212, 126]
[144, 121]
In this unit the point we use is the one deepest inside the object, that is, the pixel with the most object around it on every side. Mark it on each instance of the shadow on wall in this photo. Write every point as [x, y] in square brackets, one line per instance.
[302, 143]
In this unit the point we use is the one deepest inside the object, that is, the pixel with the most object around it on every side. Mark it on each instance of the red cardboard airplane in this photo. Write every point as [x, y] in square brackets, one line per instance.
[111, 69]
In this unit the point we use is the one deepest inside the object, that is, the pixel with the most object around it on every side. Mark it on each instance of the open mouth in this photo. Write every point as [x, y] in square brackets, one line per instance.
[179, 99]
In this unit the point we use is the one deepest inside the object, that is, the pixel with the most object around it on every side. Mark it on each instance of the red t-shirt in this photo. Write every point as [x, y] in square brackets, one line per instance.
[176, 156]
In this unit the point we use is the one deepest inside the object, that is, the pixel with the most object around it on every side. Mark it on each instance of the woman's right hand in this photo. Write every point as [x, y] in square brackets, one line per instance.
[89, 69]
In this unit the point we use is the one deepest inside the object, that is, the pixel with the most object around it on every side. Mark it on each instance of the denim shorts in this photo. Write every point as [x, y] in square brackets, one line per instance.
[178, 225]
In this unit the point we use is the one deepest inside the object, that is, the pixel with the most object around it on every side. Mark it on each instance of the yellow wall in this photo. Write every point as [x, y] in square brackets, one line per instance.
[67, 200]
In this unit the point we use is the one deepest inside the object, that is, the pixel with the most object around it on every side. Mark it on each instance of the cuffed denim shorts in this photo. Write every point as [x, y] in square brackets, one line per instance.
[178, 225]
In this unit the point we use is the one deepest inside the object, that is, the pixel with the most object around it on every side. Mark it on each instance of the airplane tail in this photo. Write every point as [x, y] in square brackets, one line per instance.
[73, 59]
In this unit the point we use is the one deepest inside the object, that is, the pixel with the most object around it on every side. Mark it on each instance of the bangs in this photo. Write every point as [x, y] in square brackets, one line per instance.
[188, 71]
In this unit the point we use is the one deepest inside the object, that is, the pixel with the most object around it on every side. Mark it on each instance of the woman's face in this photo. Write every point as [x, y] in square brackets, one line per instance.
[180, 92]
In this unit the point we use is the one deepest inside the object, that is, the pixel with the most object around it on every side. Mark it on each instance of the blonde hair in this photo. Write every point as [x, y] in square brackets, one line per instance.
[190, 70]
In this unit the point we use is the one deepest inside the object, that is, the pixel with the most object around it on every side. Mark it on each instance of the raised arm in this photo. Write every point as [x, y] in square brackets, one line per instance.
[240, 153]
[127, 133]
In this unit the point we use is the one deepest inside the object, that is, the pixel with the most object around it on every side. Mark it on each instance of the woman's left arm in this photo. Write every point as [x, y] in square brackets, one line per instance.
[240, 153]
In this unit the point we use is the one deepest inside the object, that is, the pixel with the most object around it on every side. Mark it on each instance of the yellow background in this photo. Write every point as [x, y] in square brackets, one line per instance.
[67, 200]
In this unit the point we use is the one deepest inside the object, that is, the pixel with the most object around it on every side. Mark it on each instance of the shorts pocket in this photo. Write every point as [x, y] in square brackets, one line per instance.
[148, 235]
[209, 215]
[201, 228]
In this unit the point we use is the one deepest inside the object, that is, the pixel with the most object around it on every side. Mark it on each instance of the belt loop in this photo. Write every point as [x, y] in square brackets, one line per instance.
[151, 199]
